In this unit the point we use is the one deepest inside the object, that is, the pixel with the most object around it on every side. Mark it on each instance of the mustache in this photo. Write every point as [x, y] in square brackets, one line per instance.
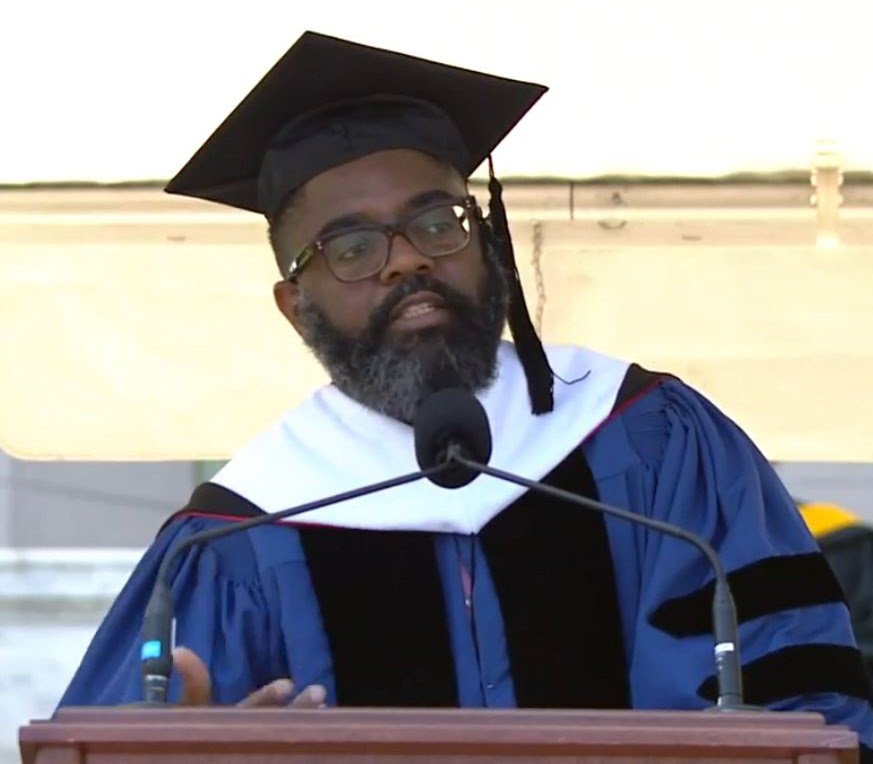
[380, 319]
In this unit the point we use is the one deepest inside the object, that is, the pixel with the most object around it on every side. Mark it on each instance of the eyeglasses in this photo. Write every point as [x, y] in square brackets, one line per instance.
[359, 252]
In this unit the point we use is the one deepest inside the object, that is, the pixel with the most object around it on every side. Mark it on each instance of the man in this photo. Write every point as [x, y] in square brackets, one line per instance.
[847, 544]
[483, 596]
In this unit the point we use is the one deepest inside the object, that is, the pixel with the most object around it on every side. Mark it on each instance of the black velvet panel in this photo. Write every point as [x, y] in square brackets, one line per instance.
[799, 670]
[636, 381]
[552, 569]
[214, 499]
[767, 586]
[383, 611]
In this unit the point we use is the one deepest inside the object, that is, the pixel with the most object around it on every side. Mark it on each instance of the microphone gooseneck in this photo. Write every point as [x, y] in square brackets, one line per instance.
[454, 427]
[724, 619]
[157, 628]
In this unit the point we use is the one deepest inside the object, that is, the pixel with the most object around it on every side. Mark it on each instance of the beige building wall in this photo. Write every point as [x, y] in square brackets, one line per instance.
[137, 326]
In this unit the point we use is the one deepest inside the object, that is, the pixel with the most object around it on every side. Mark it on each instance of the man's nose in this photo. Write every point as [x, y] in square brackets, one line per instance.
[404, 260]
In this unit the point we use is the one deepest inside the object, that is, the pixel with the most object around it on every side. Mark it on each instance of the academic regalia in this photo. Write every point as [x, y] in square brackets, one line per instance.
[540, 630]
[485, 595]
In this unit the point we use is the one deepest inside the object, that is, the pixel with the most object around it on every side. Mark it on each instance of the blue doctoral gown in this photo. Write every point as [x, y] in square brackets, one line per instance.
[246, 603]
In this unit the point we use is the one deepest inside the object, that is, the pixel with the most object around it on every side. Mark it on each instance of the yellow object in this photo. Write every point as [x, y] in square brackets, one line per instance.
[823, 518]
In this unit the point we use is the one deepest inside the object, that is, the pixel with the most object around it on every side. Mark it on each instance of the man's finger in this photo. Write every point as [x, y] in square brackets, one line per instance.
[277, 693]
[313, 696]
[196, 685]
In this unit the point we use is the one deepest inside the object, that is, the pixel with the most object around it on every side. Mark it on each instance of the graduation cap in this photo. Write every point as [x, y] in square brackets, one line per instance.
[329, 101]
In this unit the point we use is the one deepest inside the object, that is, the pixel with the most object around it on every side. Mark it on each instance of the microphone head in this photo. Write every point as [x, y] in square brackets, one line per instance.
[451, 417]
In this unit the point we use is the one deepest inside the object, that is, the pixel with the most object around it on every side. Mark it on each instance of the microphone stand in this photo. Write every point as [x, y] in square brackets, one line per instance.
[724, 615]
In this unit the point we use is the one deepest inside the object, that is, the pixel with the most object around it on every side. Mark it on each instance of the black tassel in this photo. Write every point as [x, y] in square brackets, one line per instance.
[540, 380]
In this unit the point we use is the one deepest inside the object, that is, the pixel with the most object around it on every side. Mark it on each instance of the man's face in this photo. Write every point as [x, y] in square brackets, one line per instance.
[419, 324]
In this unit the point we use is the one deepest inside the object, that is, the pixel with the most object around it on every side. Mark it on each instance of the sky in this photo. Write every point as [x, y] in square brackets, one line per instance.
[101, 90]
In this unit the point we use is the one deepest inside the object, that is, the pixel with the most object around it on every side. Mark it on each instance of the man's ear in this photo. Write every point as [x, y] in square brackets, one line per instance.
[287, 297]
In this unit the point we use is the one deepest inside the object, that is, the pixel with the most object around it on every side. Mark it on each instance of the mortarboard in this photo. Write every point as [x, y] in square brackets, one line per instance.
[317, 74]
[328, 101]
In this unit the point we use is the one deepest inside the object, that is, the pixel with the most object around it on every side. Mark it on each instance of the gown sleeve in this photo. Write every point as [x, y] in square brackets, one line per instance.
[697, 469]
[222, 614]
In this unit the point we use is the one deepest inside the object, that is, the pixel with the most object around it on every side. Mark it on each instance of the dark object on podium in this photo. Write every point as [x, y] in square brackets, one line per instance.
[249, 736]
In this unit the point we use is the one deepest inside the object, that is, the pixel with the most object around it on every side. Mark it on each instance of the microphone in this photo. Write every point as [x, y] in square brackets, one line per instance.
[451, 428]
[158, 621]
[451, 419]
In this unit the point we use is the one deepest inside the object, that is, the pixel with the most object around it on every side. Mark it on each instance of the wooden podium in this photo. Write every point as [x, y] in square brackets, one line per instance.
[348, 736]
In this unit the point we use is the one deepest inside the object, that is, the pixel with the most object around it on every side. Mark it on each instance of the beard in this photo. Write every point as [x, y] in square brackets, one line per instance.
[392, 379]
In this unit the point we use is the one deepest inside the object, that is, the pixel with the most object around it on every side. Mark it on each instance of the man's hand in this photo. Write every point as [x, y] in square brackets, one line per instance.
[197, 687]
